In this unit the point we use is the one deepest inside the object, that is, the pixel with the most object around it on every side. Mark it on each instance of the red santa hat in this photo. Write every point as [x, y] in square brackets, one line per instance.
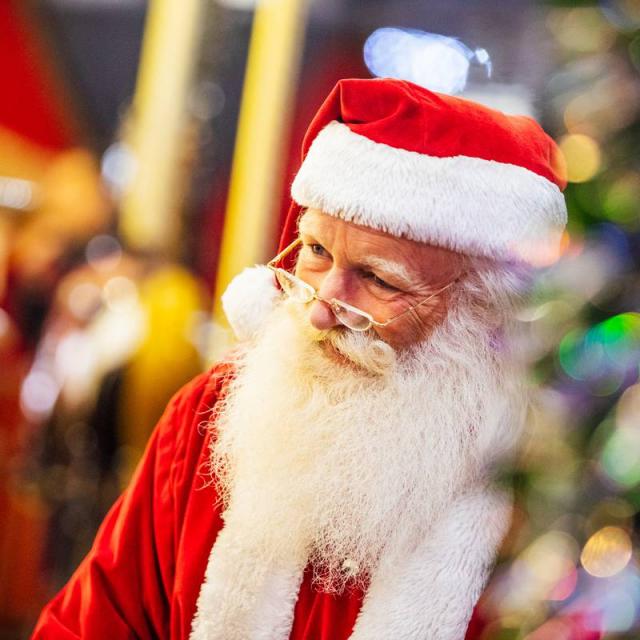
[396, 157]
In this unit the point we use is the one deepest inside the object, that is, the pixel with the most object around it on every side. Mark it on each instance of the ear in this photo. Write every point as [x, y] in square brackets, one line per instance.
[249, 299]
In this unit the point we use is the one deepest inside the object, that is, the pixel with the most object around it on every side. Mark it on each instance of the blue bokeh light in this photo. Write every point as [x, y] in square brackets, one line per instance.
[437, 62]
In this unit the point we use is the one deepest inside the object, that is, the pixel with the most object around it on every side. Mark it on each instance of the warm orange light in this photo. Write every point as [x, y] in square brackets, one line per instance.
[607, 552]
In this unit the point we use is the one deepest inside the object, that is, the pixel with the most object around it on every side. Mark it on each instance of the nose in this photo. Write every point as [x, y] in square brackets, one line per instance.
[320, 315]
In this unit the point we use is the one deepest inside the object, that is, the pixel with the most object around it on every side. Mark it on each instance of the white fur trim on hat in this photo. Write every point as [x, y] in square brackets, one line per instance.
[476, 206]
[249, 299]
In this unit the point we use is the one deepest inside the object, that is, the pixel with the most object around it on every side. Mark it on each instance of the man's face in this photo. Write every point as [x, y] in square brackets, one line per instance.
[376, 272]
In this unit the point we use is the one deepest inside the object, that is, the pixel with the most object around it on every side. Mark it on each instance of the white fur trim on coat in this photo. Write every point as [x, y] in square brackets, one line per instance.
[243, 596]
[249, 299]
[432, 594]
[479, 207]
[429, 595]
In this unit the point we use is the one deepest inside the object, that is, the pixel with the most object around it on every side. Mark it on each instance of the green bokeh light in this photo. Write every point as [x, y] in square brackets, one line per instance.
[620, 457]
[607, 347]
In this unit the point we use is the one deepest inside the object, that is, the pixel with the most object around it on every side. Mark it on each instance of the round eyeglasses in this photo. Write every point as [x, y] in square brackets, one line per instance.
[346, 314]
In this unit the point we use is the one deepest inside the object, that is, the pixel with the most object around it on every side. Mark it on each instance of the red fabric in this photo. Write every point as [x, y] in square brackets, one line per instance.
[33, 104]
[142, 578]
[406, 116]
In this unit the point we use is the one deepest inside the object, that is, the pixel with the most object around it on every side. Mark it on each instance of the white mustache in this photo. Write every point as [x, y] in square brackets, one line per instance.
[364, 350]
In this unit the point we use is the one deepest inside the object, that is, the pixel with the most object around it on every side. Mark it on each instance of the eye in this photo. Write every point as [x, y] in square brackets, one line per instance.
[379, 282]
[318, 250]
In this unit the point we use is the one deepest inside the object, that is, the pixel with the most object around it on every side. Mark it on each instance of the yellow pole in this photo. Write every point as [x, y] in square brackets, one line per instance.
[256, 175]
[155, 136]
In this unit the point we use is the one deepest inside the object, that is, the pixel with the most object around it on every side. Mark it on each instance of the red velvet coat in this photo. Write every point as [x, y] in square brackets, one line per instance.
[143, 575]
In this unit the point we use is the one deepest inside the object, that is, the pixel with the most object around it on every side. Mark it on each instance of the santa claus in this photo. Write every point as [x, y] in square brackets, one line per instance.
[333, 478]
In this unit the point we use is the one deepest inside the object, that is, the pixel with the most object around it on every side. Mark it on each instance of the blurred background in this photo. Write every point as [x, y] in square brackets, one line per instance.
[146, 148]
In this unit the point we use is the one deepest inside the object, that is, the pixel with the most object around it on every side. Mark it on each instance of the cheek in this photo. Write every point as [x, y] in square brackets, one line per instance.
[409, 330]
[400, 337]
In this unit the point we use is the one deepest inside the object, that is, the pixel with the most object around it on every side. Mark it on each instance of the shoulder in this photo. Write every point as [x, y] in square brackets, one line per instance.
[183, 435]
[202, 392]
[192, 407]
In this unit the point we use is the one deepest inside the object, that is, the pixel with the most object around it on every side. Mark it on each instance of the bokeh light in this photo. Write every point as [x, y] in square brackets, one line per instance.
[103, 253]
[16, 193]
[38, 395]
[583, 156]
[597, 95]
[120, 294]
[628, 409]
[621, 202]
[84, 299]
[545, 570]
[619, 612]
[552, 630]
[118, 168]
[565, 586]
[620, 457]
[581, 29]
[434, 61]
[604, 353]
[623, 14]
[607, 552]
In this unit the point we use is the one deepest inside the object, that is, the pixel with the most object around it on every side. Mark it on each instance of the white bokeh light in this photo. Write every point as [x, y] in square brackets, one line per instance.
[38, 394]
[118, 166]
[434, 61]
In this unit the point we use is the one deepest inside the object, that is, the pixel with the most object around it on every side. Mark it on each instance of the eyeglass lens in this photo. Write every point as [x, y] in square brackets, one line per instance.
[350, 319]
[300, 291]
[294, 287]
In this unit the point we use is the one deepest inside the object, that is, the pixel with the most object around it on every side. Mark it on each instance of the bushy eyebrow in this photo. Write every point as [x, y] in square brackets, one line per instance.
[303, 225]
[398, 271]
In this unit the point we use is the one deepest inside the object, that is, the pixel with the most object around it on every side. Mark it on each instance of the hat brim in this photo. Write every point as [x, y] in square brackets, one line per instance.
[472, 205]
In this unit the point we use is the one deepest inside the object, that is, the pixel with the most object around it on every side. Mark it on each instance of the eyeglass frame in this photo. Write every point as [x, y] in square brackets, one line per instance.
[336, 304]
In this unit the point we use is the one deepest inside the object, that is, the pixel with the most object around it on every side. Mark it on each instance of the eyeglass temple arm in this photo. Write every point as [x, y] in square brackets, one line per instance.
[285, 252]
[415, 306]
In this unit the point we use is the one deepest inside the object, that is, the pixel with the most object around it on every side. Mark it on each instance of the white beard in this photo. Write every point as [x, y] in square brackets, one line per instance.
[325, 462]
